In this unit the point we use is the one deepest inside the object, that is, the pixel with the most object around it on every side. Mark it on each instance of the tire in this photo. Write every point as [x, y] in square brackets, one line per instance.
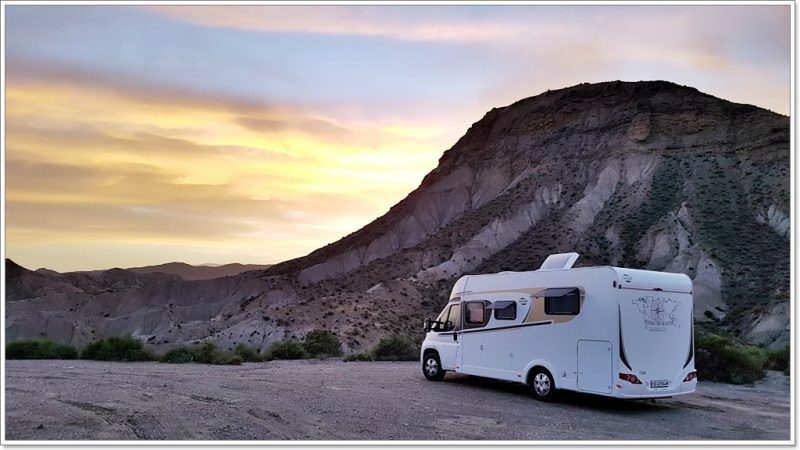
[432, 367]
[542, 385]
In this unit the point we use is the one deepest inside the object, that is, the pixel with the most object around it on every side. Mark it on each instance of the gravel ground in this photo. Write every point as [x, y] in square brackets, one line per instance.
[333, 400]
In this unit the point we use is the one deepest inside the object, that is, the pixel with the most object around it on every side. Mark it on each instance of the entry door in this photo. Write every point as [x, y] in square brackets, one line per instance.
[594, 366]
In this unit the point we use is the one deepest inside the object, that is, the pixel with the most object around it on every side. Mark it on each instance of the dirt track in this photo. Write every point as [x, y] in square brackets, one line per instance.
[333, 400]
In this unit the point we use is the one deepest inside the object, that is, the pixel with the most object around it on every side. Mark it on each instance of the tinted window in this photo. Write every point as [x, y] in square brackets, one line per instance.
[476, 314]
[505, 310]
[564, 302]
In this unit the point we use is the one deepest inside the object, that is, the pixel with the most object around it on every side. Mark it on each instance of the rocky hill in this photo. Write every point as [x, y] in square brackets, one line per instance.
[644, 175]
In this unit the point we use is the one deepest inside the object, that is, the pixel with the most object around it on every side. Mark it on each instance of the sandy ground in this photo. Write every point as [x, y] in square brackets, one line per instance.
[332, 400]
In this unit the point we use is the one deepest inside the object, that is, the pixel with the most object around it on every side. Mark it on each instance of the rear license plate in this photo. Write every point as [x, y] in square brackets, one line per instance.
[659, 383]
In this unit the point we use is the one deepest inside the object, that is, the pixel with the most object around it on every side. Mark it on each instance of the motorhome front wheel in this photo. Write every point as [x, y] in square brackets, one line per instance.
[432, 367]
[542, 385]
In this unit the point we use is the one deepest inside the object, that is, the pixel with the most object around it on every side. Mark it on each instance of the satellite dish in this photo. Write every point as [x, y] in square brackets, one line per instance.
[559, 261]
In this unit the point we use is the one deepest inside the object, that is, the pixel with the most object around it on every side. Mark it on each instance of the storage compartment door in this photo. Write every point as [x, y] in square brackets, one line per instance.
[594, 366]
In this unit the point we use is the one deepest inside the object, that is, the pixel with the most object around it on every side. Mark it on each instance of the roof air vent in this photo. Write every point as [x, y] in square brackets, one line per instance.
[559, 261]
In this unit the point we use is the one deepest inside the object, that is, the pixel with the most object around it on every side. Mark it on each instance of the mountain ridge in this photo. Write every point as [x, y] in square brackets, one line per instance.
[197, 272]
[181, 269]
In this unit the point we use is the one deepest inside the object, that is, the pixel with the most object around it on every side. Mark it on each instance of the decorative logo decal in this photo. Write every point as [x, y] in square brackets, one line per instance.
[658, 312]
[627, 277]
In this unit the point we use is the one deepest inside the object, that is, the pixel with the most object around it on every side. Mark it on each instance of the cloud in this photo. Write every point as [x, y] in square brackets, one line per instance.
[411, 23]
[25, 71]
[105, 99]
[639, 31]
[124, 202]
[688, 44]
[306, 125]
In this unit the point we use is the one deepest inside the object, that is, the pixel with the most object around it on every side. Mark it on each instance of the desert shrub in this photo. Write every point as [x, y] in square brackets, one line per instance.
[178, 355]
[227, 358]
[205, 353]
[721, 358]
[779, 359]
[39, 349]
[287, 349]
[322, 343]
[395, 348]
[208, 353]
[364, 356]
[117, 348]
[247, 353]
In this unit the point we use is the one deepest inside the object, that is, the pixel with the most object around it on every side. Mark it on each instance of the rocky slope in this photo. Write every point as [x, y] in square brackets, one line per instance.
[645, 175]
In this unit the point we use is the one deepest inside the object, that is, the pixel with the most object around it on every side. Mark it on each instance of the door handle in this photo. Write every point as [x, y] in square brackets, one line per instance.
[455, 337]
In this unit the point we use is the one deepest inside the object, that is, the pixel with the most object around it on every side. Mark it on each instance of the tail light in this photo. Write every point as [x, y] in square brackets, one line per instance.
[630, 378]
[690, 376]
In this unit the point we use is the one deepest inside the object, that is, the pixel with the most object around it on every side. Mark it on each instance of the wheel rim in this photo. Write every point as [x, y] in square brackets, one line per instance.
[541, 384]
[431, 367]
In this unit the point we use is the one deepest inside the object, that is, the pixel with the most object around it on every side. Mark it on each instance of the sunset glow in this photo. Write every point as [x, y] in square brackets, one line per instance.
[255, 134]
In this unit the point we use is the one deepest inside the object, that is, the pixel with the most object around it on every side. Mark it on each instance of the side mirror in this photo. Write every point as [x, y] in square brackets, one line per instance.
[448, 326]
[427, 324]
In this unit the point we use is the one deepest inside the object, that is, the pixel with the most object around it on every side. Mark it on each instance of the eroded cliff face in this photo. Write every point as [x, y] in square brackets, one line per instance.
[644, 175]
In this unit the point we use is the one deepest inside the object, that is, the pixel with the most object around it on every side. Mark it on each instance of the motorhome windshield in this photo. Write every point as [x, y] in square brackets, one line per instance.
[443, 315]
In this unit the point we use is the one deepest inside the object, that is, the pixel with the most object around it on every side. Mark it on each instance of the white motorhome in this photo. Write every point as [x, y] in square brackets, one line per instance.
[601, 330]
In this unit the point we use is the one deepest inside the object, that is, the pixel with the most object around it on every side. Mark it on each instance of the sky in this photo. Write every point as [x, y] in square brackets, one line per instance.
[143, 134]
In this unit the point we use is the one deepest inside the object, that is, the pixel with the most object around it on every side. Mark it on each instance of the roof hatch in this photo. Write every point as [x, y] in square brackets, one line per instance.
[559, 261]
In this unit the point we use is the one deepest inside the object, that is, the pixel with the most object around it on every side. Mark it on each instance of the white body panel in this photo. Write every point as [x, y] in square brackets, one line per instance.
[629, 321]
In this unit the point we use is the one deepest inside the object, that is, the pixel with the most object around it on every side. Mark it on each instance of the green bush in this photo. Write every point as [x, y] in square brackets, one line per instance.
[205, 353]
[208, 353]
[364, 356]
[39, 349]
[779, 359]
[321, 344]
[395, 348]
[178, 355]
[247, 353]
[721, 358]
[287, 349]
[117, 348]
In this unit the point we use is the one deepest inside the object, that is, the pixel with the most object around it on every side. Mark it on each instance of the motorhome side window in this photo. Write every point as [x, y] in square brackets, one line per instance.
[561, 301]
[505, 310]
[476, 314]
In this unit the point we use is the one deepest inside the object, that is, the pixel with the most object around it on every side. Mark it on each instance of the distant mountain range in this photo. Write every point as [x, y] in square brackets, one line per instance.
[189, 272]
[645, 175]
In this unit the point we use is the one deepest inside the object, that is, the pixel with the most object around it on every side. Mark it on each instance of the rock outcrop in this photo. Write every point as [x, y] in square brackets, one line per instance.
[644, 175]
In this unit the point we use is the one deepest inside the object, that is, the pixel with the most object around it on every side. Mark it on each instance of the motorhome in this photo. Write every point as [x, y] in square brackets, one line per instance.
[602, 330]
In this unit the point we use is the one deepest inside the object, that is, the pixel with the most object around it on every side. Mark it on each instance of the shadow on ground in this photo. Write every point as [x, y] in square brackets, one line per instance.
[596, 402]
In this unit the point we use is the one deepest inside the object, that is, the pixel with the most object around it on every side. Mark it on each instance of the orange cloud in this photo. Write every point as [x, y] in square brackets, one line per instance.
[96, 163]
